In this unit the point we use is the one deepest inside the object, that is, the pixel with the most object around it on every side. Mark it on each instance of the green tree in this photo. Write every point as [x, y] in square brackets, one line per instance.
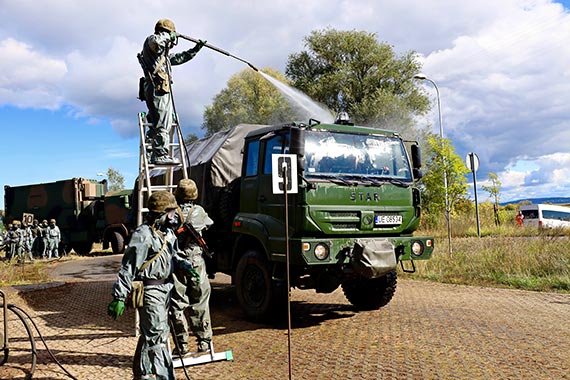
[115, 179]
[190, 138]
[494, 190]
[352, 71]
[248, 98]
[442, 157]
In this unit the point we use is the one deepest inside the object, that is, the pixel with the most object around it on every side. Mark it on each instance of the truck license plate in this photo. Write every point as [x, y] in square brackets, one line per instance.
[383, 220]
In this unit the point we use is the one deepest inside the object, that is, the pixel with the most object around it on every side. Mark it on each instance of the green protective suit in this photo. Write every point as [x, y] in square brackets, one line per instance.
[145, 243]
[156, 64]
[188, 293]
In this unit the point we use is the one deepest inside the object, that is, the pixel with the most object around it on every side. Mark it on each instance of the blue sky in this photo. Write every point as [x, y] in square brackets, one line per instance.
[69, 76]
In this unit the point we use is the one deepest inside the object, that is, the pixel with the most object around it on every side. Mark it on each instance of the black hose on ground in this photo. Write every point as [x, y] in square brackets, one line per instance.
[44, 342]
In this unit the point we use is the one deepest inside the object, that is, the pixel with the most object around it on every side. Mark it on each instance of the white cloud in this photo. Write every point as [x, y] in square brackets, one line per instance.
[501, 66]
[29, 79]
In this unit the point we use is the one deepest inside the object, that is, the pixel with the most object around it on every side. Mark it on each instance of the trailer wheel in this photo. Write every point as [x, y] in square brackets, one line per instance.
[117, 243]
[370, 293]
[258, 295]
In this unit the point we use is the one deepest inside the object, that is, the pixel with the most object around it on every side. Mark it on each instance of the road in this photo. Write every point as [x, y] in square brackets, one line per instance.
[428, 331]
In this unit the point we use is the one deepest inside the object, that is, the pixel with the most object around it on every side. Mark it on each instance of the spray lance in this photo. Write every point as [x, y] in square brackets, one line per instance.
[216, 49]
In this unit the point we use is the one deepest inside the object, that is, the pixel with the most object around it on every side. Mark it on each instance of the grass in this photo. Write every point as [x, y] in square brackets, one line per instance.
[504, 256]
[18, 274]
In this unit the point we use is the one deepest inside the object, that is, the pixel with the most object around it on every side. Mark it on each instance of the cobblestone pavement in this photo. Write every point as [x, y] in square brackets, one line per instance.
[428, 331]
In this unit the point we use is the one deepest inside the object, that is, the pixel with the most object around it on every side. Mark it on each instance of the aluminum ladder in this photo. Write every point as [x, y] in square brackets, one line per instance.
[145, 184]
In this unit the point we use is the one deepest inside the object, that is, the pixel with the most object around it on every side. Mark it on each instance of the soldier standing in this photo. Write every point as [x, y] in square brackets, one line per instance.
[156, 64]
[189, 292]
[150, 258]
[53, 238]
[11, 240]
[37, 248]
[27, 240]
[45, 242]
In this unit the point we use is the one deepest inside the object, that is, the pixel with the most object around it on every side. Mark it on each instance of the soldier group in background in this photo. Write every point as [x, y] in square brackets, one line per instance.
[23, 241]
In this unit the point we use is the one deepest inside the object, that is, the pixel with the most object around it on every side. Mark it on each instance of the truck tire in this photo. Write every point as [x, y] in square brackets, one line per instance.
[258, 295]
[117, 243]
[83, 247]
[370, 293]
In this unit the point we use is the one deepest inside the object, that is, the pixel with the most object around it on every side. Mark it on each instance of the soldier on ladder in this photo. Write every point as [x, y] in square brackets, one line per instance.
[155, 86]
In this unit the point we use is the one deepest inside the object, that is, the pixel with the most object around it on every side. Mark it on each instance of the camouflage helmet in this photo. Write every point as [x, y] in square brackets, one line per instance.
[9, 225]
[16, 223]
[161, 201]
[186, 191]
[52, 221]
[44, 221]
[164, 24]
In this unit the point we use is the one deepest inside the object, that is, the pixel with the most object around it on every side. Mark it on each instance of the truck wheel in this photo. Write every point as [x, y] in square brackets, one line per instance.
[83, 247]
[370, 293]
[257, 294]
[117, 243]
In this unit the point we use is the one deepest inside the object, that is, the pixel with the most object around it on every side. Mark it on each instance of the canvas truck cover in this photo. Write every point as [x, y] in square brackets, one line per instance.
[216, 161]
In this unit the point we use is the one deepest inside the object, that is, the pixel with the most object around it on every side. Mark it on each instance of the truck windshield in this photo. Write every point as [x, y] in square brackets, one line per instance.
[334, 153]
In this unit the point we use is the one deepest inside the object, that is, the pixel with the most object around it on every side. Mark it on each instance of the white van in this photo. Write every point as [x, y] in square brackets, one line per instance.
[546, 216]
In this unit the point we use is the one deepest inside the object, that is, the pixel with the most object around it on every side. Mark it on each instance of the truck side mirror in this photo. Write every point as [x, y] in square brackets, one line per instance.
[416, 161]
[297, 145]
[416, 156]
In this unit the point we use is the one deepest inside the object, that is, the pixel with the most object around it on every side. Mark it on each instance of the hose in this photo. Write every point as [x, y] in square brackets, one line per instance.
[44, 342]
[217, 49]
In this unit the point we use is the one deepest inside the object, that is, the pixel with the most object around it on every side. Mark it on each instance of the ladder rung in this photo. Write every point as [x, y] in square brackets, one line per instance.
[159, 187]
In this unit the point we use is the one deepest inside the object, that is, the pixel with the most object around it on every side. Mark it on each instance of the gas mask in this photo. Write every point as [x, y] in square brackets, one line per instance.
[169, 219]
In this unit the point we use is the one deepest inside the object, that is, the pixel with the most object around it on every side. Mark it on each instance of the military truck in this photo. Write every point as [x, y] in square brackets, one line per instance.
[118, 220]
[350, 223]
[73, 203]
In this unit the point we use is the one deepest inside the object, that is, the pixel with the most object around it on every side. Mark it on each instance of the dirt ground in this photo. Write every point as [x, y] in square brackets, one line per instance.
[428, 331]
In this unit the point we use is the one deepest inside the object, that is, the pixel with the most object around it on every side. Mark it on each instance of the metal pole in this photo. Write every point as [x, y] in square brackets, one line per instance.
[447, 206]
[285, 185]
[472, 158]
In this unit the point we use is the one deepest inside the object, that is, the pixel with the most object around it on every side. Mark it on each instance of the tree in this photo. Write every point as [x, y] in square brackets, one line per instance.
[442, 157]
[352, 71]
[115, 179]
[190, 138]
[494, 190]
[248, 98]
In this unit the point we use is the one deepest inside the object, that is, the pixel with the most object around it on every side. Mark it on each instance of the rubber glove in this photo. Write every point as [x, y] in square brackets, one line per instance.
[200, 45]
[192, 272]
[173, 36]
[116, 309]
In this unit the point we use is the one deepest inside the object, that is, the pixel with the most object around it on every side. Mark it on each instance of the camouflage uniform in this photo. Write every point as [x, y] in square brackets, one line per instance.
[189, 293]
[156, 63]
[145, 243]
[53, 238]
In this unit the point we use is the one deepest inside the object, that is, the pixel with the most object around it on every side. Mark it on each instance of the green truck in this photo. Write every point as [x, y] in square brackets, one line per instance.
[83, 209]
[351, 221]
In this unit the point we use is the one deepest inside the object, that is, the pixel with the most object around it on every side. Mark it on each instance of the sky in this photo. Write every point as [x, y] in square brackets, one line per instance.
[69, 77]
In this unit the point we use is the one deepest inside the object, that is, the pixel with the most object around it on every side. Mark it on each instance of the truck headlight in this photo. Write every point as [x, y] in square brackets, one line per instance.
[321, 251]
[417, 248]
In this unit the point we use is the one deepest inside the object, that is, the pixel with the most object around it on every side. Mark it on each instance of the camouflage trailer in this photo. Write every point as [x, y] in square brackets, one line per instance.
[351, 222]
[75, 204]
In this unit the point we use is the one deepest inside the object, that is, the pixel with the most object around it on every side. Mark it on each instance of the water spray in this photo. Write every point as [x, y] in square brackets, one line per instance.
[216, 49]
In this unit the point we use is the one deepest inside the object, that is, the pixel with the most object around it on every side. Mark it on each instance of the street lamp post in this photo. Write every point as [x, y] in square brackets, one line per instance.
[422, 76]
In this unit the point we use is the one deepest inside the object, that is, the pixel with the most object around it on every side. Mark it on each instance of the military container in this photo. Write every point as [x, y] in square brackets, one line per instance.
[350, 222]
[75, 204]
